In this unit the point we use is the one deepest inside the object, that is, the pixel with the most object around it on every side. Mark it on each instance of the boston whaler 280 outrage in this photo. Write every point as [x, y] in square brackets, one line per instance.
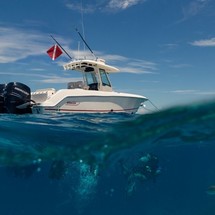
[93, 94]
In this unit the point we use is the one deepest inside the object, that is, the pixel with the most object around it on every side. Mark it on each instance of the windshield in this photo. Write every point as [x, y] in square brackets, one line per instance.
[104, 78]
[91, 78]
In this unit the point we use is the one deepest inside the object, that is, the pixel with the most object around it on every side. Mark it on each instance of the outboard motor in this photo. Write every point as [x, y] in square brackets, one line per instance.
[2, 88]
[17, 97]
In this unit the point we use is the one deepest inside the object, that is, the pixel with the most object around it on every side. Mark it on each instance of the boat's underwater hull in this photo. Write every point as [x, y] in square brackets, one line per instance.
[91, 104]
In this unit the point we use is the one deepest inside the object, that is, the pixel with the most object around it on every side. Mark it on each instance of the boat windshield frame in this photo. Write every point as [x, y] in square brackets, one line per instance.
[104, 77]
[91, 78]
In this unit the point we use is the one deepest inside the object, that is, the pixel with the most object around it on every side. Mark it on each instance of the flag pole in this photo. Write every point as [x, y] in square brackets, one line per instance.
[61, 47]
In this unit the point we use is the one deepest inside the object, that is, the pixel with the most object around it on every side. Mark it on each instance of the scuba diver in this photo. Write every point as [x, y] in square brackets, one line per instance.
[145, 168]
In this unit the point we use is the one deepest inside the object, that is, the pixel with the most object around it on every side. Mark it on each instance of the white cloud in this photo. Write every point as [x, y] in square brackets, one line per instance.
[103, 5]
[58, 80]
[193, 92]
[170, 46]
[204, 43]
[112, 58]
[38, 69]
[87, 8]
[137, 70]
[49, 78]
[194, 8]
[18, 44]
[25, 74]
[129, 65]
[123, 4]
[138, 67]
[143, 64]
[184, 91]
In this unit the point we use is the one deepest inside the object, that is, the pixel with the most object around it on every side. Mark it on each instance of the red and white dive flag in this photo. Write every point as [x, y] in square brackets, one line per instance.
[54, 52]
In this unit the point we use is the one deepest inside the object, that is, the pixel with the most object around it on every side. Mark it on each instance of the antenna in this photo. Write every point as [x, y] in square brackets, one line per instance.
[78, 48]
[85, 43]
[83, 37]
[61, 47]
[82, 21]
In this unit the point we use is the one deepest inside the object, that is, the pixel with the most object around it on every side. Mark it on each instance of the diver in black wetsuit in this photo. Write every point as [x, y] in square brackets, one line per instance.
[146, 168]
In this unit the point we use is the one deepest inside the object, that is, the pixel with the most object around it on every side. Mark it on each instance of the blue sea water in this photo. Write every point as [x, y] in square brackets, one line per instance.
[63, 164]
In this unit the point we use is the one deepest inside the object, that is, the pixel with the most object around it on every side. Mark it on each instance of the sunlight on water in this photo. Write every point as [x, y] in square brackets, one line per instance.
[79, 185]
[87, 181]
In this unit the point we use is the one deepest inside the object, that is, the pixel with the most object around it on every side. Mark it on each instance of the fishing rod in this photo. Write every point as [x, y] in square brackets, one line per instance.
[61, 47]
[85, 42]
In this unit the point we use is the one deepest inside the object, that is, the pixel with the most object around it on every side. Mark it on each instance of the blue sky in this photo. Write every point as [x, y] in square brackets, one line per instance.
[165, 49]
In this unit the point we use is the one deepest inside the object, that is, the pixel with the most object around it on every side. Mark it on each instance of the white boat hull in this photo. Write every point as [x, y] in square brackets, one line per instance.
[83, 101]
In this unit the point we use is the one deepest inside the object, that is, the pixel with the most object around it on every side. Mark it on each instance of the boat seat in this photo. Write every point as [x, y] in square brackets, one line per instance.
[93, 86]
[74, 85]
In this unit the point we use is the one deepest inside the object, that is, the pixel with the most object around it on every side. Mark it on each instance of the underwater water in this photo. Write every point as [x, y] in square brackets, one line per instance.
[100, 164]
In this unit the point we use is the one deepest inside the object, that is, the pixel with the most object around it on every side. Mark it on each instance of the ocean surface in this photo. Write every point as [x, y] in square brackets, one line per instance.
[98, 164]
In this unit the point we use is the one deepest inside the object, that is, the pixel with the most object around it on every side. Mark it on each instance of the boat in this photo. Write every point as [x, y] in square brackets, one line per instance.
[92, 94]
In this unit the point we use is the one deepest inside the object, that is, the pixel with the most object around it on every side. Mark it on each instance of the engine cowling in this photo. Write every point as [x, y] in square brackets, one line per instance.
[15, 98]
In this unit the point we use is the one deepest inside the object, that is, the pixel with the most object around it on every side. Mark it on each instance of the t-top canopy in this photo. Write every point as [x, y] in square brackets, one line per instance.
[80, 65]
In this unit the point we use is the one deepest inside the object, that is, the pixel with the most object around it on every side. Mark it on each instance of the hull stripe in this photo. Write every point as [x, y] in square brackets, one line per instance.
[67, 110]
